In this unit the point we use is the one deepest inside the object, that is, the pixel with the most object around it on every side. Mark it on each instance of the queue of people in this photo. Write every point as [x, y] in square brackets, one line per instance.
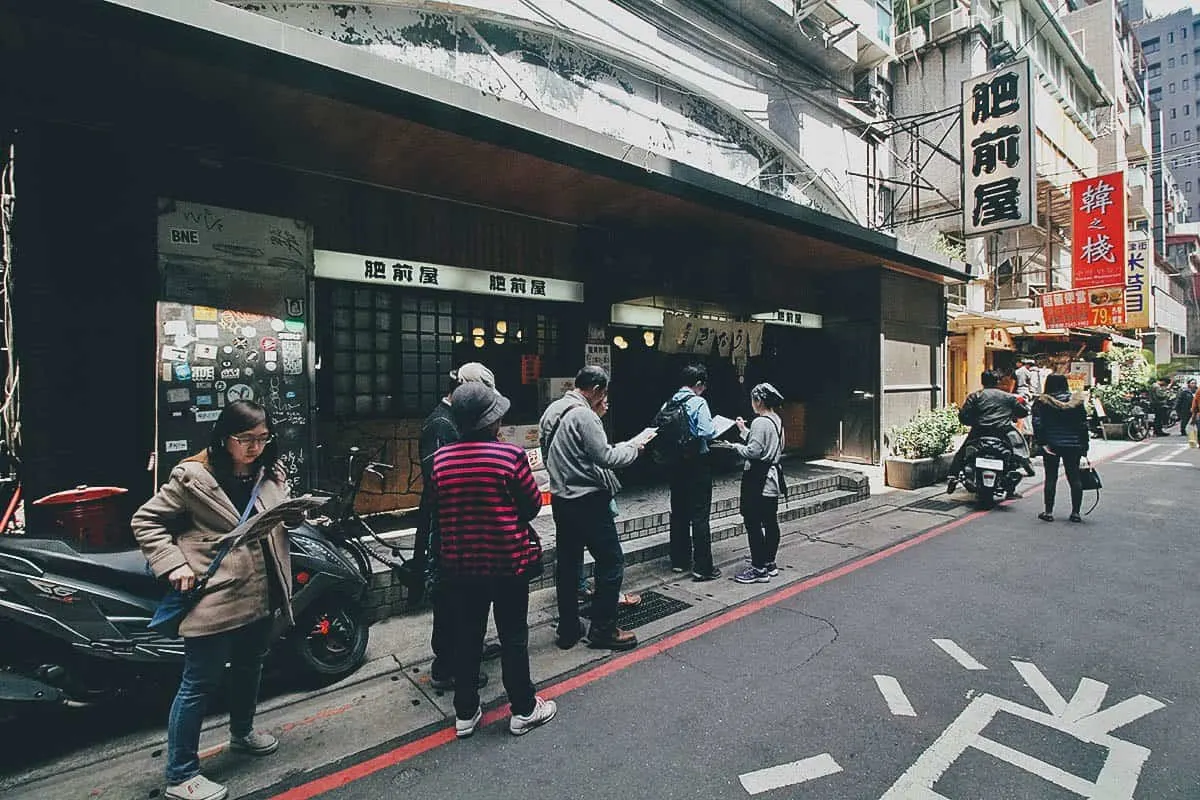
[477, 505]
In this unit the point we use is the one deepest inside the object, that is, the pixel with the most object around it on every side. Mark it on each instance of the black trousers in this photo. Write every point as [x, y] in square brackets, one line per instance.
[691, 506]
[1069, 457]
[469, 600]
[761, 516]
[587, 522]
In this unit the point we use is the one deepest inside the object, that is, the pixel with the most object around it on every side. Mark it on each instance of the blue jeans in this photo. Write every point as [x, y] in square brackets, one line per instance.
[204, 663]
[587, 522]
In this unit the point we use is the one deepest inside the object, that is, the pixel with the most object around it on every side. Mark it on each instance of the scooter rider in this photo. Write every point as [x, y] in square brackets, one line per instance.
[990, 412]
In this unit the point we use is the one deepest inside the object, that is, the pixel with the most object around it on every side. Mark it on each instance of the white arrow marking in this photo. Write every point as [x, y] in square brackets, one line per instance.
[896, 700]
[1095, 726]
[1042, 687]
[958, 654]
[764, 780]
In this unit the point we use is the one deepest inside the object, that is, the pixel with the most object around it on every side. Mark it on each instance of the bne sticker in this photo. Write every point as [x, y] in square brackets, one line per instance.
[175, 446]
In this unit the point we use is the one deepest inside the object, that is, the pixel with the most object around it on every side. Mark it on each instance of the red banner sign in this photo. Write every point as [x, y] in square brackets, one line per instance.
[1082, 308]
[1098, 231]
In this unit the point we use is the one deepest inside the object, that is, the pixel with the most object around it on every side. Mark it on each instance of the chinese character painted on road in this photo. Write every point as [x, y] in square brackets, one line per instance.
[497, 283]
[429, 275]
[992, 148]
[996, 98]
[402, 273]
[995, 201]
[375, 270]
[1097, 198]
[1098, 248]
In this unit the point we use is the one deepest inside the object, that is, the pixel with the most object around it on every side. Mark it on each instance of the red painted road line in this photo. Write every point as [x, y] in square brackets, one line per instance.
[391, 758]
[400, 754]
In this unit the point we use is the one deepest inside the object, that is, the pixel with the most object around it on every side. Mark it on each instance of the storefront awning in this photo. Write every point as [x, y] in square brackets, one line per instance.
[968, 320]
[205, 77]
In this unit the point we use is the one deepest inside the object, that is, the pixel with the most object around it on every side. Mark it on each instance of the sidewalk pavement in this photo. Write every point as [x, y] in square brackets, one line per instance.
[389, 699]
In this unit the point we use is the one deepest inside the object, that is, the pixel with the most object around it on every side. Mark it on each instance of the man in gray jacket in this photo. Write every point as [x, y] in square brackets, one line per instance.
[582, 486]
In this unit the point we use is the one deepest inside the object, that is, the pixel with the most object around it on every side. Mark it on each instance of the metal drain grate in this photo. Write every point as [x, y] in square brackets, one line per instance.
[934, 504]
[654, 606]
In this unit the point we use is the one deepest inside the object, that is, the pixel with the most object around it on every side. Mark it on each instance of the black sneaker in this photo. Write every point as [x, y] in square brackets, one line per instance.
[569, 641]
[700, 577]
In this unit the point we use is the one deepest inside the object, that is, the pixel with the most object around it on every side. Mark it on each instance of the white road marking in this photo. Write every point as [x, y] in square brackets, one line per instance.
[1095, 726]
[1178, 451]
[895, 697]
[1042, 687]
[1159, 463]
[1137, 452]
[764, 780]
[958, 654]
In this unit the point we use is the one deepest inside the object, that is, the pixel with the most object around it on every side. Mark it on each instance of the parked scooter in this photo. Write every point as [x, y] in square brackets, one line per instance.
[990, 469]
[75, 624]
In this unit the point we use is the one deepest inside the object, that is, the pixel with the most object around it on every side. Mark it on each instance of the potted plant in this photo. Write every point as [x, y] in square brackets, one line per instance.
[919, 451]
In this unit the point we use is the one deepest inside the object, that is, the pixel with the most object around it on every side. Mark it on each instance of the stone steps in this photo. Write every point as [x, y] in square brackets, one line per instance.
[644, 530]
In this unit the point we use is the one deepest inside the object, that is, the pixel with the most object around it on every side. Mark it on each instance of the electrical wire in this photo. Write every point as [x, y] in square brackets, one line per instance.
[10, 410]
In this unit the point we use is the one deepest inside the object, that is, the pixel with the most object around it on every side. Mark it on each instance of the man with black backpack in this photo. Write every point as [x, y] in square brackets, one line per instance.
[685, 427]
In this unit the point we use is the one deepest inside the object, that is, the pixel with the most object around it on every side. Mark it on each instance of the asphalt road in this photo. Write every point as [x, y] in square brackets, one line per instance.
[1066, 658]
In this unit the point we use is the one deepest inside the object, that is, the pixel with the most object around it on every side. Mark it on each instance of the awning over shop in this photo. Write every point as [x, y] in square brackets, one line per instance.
[969, 320]
[242, 89]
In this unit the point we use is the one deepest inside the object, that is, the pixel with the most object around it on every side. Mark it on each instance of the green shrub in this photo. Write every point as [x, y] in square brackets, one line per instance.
[927, 435]
[1134, 373]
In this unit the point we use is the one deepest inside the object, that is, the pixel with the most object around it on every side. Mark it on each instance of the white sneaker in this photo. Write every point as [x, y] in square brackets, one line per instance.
[198, 788]
[543, 712]
[465, 727]
[256, 743]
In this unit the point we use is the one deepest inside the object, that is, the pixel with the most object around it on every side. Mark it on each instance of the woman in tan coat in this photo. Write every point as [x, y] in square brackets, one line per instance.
[180, 530]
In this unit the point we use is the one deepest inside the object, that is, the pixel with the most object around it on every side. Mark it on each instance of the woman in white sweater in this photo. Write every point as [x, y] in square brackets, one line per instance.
[762, 482]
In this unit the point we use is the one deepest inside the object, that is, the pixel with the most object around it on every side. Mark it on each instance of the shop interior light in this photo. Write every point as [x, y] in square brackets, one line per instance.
[458, 338]
[498, 340]
[478, 342]
[501, 327]
[477, 332]
[648, 338]
[620, 342]
[520, 335]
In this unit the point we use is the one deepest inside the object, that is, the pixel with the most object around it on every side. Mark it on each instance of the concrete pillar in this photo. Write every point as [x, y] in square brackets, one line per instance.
[976, 357]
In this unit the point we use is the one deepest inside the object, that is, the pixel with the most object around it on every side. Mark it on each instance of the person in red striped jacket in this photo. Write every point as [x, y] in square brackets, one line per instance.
[485, 496]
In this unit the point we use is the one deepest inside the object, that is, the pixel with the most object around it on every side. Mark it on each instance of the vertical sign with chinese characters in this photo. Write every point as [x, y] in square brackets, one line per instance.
[1137, 285]
[1098, 231]
[997, 147]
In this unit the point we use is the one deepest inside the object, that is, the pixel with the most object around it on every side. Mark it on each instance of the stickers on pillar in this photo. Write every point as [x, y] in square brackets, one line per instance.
[205, 351]
[178, 395]
[270, 356]
[167, 375]
[271, 365]
[175, 446]
[231, 373]
[227, 348]
[208, 331]
[240, 343]
[183, 340]
[276, 325]
[204, 314]
[239, 391]
[293, 357]
[203, 373]
[249, 331]
[220, 386]
[183, 372]
[295, 306]
[204, 399]
[268, 344]
[294, 326]
[175, 327]
[251, 356]
[207, 416]
[170, 353]
[202, 386]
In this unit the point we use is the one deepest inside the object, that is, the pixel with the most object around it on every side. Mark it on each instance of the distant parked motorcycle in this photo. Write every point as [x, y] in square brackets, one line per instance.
[74, 624]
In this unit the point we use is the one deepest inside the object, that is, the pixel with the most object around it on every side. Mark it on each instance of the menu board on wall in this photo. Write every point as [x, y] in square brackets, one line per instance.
[210, 357]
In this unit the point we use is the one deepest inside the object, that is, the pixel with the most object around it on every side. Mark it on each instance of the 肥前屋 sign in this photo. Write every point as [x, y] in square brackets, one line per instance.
[997, 146]
[1098, 231]
[415, 274]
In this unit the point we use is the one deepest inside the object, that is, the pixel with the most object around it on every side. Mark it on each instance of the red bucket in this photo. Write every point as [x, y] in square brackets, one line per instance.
[90, 517]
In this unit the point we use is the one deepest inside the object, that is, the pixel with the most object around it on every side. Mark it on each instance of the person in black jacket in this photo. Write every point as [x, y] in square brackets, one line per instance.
[1183, 405]
[1060, 423]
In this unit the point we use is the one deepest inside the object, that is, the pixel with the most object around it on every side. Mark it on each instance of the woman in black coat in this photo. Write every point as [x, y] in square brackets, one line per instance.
[1060, 425]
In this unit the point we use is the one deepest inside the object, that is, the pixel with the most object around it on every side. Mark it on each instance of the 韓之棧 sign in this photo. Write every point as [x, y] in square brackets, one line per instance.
[997, 147]
[1137, 284]
[415, 274]
[1098, 231]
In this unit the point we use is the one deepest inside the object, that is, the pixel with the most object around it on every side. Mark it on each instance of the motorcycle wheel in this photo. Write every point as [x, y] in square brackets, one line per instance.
[330, 641]
[1137, 429]
[986, 497]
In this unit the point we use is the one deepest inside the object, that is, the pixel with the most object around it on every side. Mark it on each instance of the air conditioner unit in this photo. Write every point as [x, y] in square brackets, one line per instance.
[869, 88]
[1002, 45]
[947, 24]
[910, 41]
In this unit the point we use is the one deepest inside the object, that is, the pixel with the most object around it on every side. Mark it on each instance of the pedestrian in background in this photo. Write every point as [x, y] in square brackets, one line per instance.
[1060, 419]
[583, 487]
[180, 531]
[1183, 405]
[690, 474]
[437, 431]
[762, 482]
[484, 497]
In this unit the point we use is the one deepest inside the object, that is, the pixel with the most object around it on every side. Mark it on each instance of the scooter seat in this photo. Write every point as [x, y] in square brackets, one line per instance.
[124, 570]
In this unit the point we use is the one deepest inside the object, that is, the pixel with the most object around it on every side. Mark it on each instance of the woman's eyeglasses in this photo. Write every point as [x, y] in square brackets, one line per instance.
[248, 441]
